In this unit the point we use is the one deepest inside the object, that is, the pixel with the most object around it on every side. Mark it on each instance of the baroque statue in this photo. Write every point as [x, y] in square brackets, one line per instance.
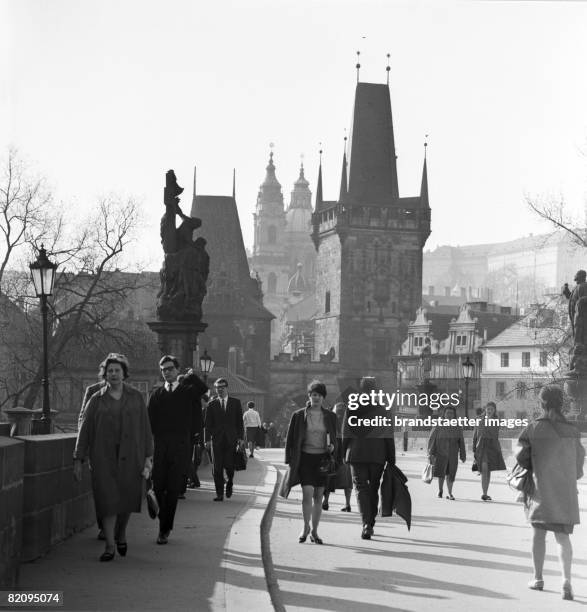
[186, 265]
[578, 319]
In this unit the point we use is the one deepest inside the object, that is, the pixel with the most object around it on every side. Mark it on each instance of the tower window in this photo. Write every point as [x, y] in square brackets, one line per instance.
[271, 234]
[505, 360]
[327, 302]
[526, 359]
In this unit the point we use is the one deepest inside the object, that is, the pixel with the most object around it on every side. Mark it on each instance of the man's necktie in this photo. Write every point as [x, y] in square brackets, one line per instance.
[168, 386]
[224, 405]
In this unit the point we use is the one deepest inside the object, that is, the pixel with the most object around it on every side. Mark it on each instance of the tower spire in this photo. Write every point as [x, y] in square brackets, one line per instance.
[358, 66]
[388, 69]
[424, 186]
[194, 181]
[234, 183]
[319, 200]
[343, 177]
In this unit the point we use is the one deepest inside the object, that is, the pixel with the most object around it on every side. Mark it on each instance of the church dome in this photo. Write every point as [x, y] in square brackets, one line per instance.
[297, 283]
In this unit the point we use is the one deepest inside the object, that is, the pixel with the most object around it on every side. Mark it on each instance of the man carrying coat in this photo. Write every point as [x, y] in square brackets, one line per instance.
[223, 431]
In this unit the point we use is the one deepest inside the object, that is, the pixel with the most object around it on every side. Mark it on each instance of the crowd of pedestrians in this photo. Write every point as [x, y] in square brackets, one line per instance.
[128, 442]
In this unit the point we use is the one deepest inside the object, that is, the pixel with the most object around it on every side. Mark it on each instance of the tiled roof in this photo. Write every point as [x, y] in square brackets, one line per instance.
[229, 269]
[372, 171]
[520, 334]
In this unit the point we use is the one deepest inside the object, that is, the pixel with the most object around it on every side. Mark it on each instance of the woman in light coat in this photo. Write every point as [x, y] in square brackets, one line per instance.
[551, 448]
[445, 445]
[486, 449]
[116, 436]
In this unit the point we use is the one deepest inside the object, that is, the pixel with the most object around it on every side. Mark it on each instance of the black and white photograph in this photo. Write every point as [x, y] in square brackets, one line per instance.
[293, 305]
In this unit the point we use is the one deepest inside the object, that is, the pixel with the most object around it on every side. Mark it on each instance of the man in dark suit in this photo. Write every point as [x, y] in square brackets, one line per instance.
[224, 429]
[367, 448]
[175, 413]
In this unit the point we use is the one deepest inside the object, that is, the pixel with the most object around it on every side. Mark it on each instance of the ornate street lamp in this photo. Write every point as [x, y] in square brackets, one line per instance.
[43, 272]
[206, 365]
[468, 370]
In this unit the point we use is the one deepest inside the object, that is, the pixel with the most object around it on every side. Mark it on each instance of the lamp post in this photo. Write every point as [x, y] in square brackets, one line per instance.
[43, 272]
[206, 365]
[468, 369]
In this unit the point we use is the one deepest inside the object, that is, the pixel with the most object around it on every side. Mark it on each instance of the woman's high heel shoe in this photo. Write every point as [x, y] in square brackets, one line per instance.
[567, 591]
[303, 536]
[314, 538]
[107, 555]
[122, 547]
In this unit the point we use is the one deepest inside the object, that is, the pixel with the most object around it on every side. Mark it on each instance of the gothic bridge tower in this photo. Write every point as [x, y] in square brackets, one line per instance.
[369, 243]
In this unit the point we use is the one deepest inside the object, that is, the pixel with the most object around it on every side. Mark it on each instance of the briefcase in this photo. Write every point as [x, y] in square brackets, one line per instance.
[240, 458]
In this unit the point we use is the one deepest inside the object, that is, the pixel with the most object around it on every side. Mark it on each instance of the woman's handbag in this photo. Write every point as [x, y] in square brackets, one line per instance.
[152, 503]
[475, 467]
[327, 465]
[427, 473]
[521, 479]
[240, 458]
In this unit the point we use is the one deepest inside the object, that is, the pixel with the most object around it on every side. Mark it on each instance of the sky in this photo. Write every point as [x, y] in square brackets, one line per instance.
[105, 96]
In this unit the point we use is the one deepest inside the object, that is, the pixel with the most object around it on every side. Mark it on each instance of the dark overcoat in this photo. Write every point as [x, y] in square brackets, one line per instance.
[445, 446]
[116, 465]
[486, 447]
[295, 440]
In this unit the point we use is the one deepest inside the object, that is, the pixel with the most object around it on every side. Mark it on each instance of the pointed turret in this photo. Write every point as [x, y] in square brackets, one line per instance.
[343, 177]
[234, 183]
[319, 199]
[373, 168]
[424, 186]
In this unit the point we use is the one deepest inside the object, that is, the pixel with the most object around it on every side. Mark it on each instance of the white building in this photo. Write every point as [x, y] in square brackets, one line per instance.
[519, 360]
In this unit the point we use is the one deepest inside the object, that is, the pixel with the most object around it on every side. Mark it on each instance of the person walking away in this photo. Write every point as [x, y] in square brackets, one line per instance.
[252, 424]
[551, 448]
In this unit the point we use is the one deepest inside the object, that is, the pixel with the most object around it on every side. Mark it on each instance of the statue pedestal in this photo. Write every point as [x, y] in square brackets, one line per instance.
[178, 338]
[576, 389]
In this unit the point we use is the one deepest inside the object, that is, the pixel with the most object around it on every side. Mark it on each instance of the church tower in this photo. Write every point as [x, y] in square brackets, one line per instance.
[300, 250]
[369, 244]
[269, 259]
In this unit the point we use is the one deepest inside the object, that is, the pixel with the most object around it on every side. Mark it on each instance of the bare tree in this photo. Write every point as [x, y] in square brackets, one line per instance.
[26, 213]
[90, 298]
[554, 211]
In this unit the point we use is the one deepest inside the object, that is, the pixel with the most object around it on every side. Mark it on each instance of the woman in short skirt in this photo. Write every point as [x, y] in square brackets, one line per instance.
[310, 438]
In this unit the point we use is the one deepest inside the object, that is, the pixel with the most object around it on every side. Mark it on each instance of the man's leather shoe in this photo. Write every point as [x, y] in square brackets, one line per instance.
[162, 538]
[229, 489]
[219, 498]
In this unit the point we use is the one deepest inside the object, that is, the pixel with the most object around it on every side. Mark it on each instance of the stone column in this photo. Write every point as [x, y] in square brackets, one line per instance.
[179, 338]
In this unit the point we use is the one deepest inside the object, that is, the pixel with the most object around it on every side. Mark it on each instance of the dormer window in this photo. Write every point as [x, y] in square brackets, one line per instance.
[461, 341]
[418, 341]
